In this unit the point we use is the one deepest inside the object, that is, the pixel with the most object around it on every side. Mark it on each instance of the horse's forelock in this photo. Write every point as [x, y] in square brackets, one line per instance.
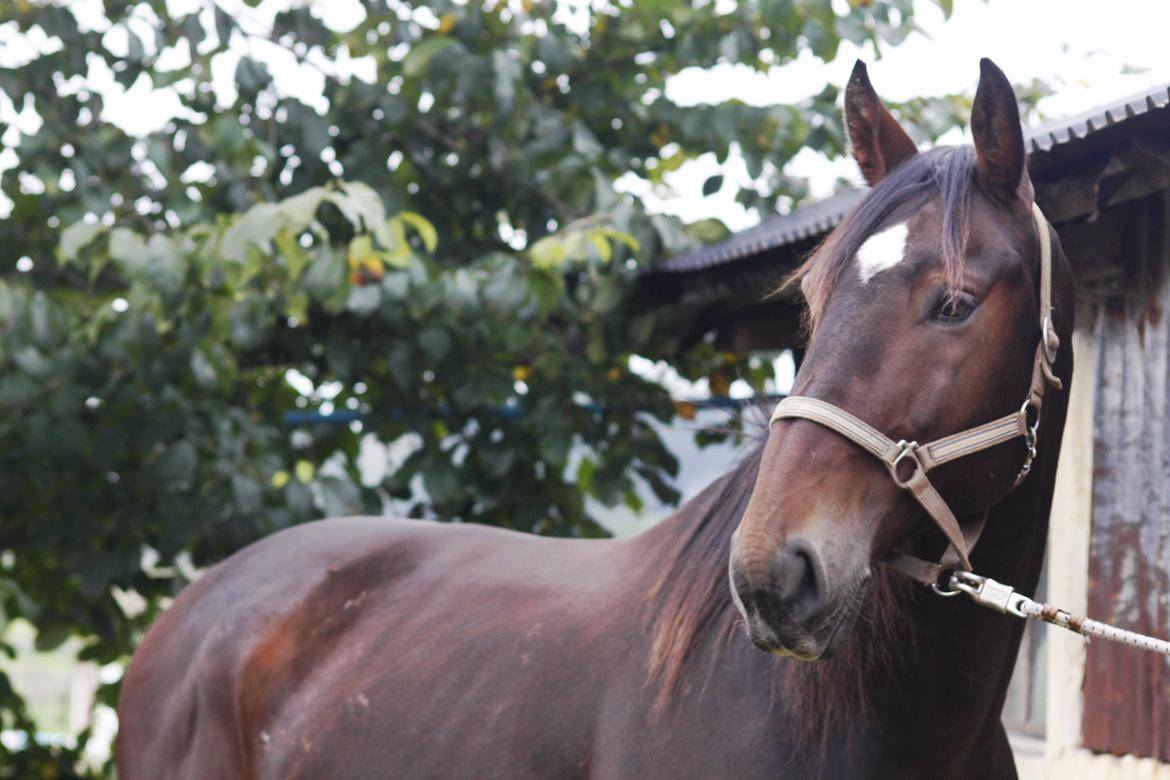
[946, 172]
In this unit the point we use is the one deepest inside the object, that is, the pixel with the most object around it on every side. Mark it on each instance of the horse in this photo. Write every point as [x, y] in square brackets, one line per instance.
[372, 647]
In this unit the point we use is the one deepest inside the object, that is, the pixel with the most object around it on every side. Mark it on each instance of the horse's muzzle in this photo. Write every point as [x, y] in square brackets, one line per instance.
[787, 604]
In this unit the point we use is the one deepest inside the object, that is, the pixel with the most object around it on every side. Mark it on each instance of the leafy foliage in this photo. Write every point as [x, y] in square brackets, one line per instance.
[439, 250]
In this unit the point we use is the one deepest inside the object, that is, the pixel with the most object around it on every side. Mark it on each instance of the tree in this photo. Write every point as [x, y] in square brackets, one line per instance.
[441, 253]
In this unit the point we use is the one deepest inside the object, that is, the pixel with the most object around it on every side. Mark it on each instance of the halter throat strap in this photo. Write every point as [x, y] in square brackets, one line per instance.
[909, 462]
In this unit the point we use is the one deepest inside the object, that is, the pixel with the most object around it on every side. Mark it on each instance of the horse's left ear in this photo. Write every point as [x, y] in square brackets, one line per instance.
[999, 140]
[879, 142]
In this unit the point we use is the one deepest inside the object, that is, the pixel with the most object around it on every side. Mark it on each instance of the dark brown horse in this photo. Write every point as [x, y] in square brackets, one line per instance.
[378, 648]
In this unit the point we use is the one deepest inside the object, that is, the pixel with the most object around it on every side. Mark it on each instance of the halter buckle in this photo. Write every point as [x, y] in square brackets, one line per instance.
[1049, 339]
[906, 449]
[1031, 438]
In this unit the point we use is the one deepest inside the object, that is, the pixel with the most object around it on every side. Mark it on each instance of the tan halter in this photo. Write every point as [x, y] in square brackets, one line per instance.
[924, 457]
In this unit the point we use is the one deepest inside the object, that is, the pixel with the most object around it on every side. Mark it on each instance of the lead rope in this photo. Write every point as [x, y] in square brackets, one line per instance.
[989, 593]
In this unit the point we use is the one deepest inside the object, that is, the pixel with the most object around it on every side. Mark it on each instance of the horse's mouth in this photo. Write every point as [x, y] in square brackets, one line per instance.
[820, 643]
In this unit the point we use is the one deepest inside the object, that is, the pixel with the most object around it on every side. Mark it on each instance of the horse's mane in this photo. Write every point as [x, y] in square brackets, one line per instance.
[692, 592]
[945, 171]
[690, 606]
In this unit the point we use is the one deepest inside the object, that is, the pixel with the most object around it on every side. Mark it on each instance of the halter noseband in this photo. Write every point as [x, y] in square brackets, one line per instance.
[924, 457]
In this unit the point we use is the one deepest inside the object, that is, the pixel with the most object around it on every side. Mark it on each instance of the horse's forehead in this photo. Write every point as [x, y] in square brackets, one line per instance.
[882, 251]
[892, 243]
[919, 236]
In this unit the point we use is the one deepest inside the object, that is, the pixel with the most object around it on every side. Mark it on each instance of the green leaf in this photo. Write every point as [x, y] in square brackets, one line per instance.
[441, 481]
[584, 141]
[248, 494]
[621, 237]
[300, 210]
[7, 302]
[164, 267]
[547, 287]
[604, 251]
[223, 26]
[713, 184]
[203, 370]
[575, 245]
[257, 226]
[361, 249]
[507, 70]
[128, 251]
[435, 342]
[421, 54]
[291, 250]
[394, 238]
[135, 49]
[548, 252]
[32, 362]
[77, 236]
[360, 205]
[178, 462]
[51, 636]
[325, 277]
[364, 299]
[426, 231]
[339, 497]
[251, 76]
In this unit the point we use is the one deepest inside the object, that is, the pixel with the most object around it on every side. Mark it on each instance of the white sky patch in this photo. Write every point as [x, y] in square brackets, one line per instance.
[881, 251]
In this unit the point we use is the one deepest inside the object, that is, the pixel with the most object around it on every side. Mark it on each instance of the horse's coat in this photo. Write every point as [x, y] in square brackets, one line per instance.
[369, 647]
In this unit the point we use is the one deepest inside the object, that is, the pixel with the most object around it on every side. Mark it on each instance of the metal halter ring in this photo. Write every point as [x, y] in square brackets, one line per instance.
[949, 592]
[959, 582]
[1031, 436]
[906, 449]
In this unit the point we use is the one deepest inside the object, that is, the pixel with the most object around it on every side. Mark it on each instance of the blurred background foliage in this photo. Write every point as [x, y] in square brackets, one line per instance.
[437, 254]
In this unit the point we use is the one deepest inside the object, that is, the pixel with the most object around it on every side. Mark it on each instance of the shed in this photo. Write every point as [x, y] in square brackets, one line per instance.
[1103, 179]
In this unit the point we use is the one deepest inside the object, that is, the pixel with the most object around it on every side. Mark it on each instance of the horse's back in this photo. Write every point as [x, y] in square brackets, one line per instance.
[304, 652]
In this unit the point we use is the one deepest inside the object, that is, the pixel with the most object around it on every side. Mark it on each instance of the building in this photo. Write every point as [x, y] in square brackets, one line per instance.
[1103, 179]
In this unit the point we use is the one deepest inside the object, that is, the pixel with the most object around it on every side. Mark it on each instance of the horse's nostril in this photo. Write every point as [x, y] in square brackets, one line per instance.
[800, 580]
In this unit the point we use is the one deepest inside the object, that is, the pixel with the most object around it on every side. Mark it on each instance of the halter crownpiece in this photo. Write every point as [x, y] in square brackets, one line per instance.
[921, 458]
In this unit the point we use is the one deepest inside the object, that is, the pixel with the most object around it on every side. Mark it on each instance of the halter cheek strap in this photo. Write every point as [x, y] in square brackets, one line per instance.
[909, 462]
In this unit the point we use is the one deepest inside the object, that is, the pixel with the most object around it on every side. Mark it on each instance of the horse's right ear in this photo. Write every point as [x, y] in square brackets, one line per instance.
[1000, 156]
[879, 142]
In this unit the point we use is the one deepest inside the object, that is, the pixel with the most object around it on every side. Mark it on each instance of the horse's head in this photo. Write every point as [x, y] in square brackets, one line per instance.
[923, 311]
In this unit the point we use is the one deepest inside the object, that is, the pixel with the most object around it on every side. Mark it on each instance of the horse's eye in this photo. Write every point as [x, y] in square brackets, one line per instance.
[953, 307]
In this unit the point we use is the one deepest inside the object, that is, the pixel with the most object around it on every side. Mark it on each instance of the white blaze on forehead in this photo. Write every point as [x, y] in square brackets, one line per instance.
[881, 251]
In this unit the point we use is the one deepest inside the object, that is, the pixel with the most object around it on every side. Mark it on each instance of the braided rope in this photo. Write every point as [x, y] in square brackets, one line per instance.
[989, 593]
[1092, 628]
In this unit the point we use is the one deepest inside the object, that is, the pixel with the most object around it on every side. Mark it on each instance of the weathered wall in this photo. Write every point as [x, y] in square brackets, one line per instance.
[1127, 693]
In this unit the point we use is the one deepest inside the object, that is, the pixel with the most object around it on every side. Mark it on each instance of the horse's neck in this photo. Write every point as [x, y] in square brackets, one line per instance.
[943, 688]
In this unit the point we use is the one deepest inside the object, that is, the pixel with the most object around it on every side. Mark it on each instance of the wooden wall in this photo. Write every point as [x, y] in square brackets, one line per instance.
[1126, 706]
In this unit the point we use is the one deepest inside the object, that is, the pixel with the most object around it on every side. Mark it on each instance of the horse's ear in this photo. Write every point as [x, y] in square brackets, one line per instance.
[1000, 158]
[879, 142]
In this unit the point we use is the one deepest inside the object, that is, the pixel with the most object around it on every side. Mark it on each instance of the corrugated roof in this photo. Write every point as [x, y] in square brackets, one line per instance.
[816, 218]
